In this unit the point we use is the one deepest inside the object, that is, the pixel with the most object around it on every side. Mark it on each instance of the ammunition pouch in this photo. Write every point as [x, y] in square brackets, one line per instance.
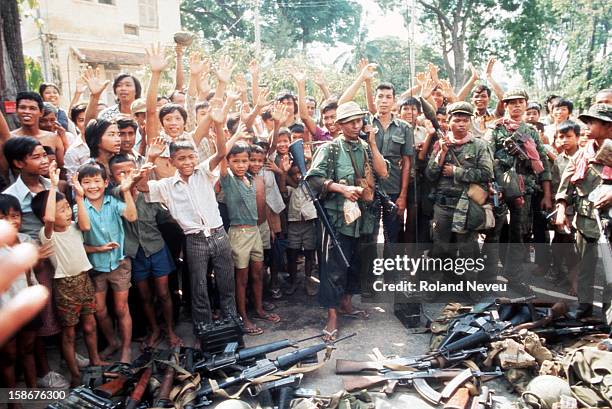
[480, 217]
[511, 184]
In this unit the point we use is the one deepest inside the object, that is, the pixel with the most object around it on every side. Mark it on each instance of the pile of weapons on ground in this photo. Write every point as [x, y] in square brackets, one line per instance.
[474, 345]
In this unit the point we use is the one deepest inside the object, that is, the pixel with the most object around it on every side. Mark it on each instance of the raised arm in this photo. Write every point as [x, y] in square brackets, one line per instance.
[467, 87]
[497, 89]
[79, 195]
[96, 86]
[300, 80]
[224, 75]
[219, 116]
[254, 70]
[368, 72]
[319, 79]
[378, 161]
[158, 63]
[180, 74]
[130, 214]
[80, 88]
[248, 117]
[49, 218]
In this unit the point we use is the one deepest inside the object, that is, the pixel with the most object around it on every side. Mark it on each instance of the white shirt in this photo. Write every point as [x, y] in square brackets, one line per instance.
[274, 199]
[192, 204]
[77, 154]
[21, 281]
[300, 206]
[69, 257]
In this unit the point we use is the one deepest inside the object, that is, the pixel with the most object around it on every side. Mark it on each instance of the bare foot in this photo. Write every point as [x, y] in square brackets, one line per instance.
[110, 350]
[126, 355]
[174, 340]
[152, 339]
[74, 382]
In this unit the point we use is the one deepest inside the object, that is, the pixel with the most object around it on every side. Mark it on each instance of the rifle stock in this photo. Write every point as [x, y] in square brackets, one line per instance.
[112, 388]
[459, 400]
[139, 390]
[353, 383]
[344, 366]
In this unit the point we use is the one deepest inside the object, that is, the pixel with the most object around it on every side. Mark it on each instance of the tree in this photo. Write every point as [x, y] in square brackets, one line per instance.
[12, 70]
[461, 29]
[285, 24]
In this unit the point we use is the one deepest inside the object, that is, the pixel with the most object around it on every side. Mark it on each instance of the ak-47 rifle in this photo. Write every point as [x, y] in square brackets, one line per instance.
[163, 395]
[134, 400]
[125, 376]
[231, 356]
[262, 367]
[296, 149]
[426, 361]
[418, 379]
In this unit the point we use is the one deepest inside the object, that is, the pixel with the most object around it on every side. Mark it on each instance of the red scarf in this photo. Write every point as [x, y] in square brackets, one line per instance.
[510, 124]
[585, 156]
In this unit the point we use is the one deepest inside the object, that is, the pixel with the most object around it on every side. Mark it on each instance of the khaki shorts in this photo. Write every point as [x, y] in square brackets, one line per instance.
[74, 296]
[246, 245]
[264, 231]
[119, 279]
[302, 235]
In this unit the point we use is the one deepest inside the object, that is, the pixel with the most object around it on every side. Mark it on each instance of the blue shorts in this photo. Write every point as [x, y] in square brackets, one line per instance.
[158, 264]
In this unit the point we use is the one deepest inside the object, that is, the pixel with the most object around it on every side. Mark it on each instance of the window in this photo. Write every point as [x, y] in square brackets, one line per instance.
[148, 13]
[130, 29]
[111, 2]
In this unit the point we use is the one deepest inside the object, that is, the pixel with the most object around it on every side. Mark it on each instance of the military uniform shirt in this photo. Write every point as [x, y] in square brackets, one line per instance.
[394, 143]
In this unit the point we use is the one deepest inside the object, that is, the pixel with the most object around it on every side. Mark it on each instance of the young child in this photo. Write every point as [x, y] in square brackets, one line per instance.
[301, 217]
[72, 288]
[247, 249]
[104, 247]
[22, 344]
[189, 196]
[149, 254]
[564, 253]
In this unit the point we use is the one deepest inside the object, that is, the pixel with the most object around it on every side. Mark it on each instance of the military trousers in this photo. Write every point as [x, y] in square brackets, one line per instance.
[519, 226]
[588, 252]
[447, 243]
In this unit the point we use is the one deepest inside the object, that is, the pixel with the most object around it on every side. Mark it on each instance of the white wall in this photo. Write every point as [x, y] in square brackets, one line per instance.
[88, 24]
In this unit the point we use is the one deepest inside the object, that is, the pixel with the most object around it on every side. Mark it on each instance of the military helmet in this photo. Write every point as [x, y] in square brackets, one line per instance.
[545, 390]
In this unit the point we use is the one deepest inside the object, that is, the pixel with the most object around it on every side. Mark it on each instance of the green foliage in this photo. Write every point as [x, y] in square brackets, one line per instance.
[286, 25]
[33, 71]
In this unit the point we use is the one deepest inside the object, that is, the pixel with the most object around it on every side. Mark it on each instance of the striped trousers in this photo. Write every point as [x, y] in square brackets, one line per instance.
[200, 251]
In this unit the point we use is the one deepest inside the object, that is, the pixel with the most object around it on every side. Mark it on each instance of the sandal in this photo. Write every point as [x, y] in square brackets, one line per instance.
[359, 314]
[276, 293]
[253, 331]
[267, 317]
[330, 336]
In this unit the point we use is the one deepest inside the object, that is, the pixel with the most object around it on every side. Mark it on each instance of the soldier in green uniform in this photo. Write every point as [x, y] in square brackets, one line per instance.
[581, 177]
[458, 160]
[335, 171]
[521, 170]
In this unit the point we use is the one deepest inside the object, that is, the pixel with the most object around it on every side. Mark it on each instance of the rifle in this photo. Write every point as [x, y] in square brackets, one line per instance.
[582, 330]
[136, 396]
[163, 396]
[427, 361]
[419, 380]
[230, 356]
[83, 397]
[296, 149]
[292, 381]
[484, 400]
[459, 400]
[262, 367]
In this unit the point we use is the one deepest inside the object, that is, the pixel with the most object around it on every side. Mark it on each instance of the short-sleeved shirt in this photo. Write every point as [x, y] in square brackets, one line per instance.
[21, 281]
[69, 257]
[240, 198]
[192, 204]
[30, 224]
[144, 231]
[300, 206]
[479, 124]
[394, 143]
[106, 226]
[322, 135]
[77, 154]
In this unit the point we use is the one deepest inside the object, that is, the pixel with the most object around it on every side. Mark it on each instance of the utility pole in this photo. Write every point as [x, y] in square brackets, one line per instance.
[257, 31]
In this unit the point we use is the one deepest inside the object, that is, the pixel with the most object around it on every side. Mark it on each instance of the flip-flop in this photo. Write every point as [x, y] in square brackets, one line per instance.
[360, 314]
[253, 331]
[267, 317]
[330, 336]
[276, 293]
[178, 343]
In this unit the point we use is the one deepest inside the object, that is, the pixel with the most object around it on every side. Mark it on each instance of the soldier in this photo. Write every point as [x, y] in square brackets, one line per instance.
[458, 161]
[520, 161]
[583, 175]
[335, 173]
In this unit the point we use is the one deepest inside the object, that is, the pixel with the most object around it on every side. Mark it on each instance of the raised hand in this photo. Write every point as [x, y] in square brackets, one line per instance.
[126, 180]
[433, 72]
[179, 50]
[157, 147]
[204, 83]
[94, 80]
[490, 65]
[54, 174]
[368, 72]
[233, 95]
[81, 85]
[225, 68]
[156, 58]
[254, 68]
[285, 163]
[297, 75]
[216, 111]
[45, 250]
[79, 192]
[421, 78]
[447, 88]
[241, 83]
[262, 99]
[197, 65]
[319, 79]
[241, 132]
[427, 88]
[475, 74]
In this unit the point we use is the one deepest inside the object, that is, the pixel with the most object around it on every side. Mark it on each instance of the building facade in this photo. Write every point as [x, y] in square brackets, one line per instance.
[65, 36]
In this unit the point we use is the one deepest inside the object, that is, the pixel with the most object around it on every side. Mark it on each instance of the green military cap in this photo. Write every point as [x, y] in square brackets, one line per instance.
[518, 93]
[460, 107]
[603, 112]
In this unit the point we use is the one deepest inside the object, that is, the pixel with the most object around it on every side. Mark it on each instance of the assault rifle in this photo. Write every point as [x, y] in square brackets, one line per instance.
[232, 356]
[426, 361]
[262, 367]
